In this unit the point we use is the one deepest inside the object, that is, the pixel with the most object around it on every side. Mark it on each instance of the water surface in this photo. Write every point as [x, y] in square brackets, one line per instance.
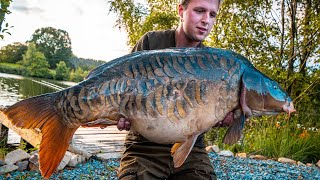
[14, 88]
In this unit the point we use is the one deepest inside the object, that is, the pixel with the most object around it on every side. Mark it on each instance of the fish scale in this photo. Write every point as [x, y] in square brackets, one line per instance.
[173, 110]
[169, 96]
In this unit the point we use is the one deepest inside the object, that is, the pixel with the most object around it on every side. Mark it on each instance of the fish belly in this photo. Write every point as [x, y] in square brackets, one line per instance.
[162, 130]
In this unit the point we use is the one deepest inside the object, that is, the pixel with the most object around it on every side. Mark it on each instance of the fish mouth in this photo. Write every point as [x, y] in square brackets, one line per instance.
[259, 112]
[289, 108]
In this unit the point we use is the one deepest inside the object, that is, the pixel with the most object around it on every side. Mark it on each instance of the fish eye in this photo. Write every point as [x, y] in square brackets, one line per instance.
[275, 87]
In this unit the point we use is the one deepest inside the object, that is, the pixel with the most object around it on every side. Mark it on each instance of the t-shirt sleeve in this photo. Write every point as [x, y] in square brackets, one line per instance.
[142, 44]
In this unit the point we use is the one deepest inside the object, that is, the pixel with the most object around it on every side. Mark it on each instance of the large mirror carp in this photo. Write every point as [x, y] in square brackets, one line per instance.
[170, 96]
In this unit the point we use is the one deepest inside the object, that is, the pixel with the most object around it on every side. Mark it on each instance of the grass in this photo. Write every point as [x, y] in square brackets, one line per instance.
[10, 65]
[11, 68]
[283, 139]
[3, 149]
[275, 137]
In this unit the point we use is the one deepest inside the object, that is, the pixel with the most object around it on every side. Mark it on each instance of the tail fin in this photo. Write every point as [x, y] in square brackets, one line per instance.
[39, 112]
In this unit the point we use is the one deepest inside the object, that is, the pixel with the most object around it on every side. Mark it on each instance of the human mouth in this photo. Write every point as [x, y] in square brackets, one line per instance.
[202, 30]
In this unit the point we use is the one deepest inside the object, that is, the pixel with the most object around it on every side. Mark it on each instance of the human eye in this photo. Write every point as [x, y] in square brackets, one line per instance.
[199, 11]
[213, 15]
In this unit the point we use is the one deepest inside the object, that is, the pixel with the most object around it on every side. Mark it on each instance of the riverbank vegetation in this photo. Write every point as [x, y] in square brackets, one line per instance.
[47, 55]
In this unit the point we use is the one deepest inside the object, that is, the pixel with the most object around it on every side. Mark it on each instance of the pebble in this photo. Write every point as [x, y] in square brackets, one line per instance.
[226, 153]
[76, 159]
[225, 168]
[259, 157]
[286, 160]
[300, 163]
[2, 163]
[106, 156]
[34, 162]
[309, 164]
[22, 165]
[15, 156]
[215, 148]
[241, 155]
[65, 160]
[7, 168]
[209, 149]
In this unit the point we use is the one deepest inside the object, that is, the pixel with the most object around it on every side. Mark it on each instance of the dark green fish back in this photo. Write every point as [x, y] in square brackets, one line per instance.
[164, 82]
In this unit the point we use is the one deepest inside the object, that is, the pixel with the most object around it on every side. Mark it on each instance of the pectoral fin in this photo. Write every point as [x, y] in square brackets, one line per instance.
[234, 132]
[180, 151]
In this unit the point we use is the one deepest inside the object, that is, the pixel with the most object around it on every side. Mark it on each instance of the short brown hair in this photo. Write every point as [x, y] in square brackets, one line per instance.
[185, 3]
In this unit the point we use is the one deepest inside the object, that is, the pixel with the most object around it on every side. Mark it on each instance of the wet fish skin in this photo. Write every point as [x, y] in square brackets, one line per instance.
[170, 96]
[105, 92]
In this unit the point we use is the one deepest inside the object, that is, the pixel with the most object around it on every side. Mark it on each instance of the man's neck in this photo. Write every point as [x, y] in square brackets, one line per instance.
[182, 40]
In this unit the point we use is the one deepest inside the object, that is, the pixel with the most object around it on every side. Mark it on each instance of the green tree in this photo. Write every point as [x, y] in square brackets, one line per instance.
[78, 75]
[3, 12]
[55, 44]
[138, 18]
[62, 71]
[280, 37]
[12, 53]
[35, 63]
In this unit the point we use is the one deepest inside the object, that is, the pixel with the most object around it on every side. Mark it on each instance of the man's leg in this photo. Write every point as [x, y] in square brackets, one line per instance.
[145, 161]
[196, 167]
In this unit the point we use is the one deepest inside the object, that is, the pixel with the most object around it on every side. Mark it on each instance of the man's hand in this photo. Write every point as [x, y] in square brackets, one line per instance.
[227, 121]
[124, 124]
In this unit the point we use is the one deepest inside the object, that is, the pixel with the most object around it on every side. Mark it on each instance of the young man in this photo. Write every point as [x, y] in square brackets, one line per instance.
[143, 159]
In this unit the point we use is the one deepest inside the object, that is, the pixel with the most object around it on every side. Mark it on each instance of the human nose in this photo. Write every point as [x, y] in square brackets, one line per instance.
[205, 18]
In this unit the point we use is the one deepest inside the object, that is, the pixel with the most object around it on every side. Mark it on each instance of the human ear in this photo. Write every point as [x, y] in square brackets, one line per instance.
[180, 11]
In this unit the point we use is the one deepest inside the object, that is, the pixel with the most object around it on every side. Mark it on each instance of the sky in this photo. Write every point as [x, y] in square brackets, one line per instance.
[89, 24]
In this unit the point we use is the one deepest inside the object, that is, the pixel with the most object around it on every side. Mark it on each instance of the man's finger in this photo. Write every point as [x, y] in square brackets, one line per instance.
[127, 125]
[121, 124]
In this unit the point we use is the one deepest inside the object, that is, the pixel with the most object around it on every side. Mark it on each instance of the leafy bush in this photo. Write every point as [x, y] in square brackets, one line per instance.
[62, 71]
[35, 63]
[274, 137]
[78, 75]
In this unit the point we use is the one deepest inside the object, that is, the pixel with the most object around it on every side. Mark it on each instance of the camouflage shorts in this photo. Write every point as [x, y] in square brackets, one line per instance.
[148, 161]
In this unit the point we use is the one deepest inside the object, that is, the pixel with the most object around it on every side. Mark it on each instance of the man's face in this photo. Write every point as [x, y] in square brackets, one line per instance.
[198, 18]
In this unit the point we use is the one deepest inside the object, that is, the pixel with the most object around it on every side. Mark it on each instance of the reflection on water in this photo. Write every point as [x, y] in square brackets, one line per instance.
[14, 88]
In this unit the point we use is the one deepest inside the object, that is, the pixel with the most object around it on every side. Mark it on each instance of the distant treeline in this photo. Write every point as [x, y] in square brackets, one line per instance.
[85, 64]
[47, 55]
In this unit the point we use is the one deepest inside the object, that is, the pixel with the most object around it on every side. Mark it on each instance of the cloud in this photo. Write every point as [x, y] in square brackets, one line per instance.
[79, 10]
[26, 7]
[27, 10]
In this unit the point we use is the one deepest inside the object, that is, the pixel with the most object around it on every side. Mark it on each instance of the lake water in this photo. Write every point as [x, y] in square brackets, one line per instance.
[14, 88]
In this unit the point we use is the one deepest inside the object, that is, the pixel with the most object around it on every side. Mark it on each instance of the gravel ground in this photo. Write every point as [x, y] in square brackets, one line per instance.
[225, 168]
